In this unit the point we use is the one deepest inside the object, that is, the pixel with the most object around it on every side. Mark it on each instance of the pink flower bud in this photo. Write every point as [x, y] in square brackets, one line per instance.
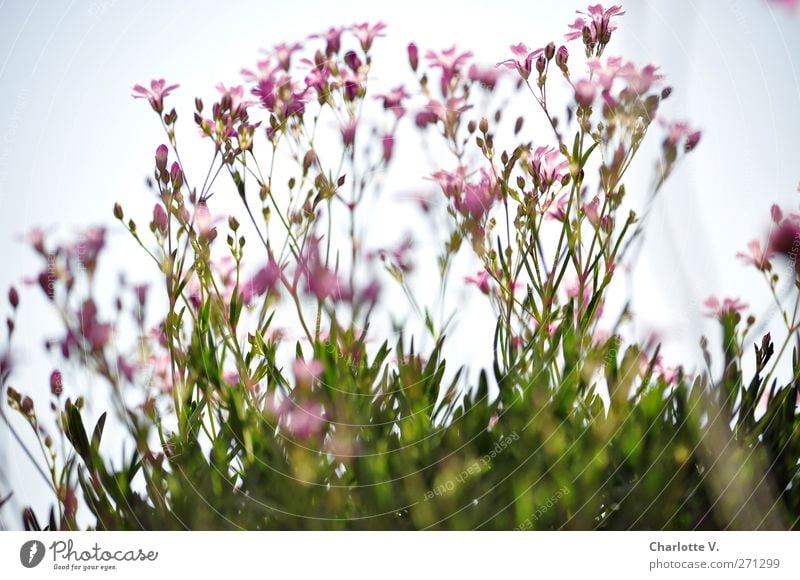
[56, 383]
[13, 297]
[161, 157]
[160, 219]
[413, 56]
[388, 147]
[692, 140]
[176, 175]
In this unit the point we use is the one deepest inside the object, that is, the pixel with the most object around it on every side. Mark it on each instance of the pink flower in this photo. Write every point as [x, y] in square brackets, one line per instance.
[451, 182]
[95, 334]
[348, 131]
[481, 280]
[584, 93]
[727, 306]
[393, 100]
[284, 51]
[155, 94]
[305, 373]
[788, 4]
[333, 39]
[306, 420]
[786, 239]
[679, 130]
[756, 256]
[523, 59]
[478, 197]
[640, 80]
[87, 250]
[486, 76]
[398, 256]
[366, 33]
[160, 219]
[595, 27]
[236, 96]
[265, 280]
[592, 211]
[558, 213]
[448, 113]
[450, 62]
[548, 166]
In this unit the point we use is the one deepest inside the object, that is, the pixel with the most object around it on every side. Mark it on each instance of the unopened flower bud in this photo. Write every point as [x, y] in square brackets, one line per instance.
[540, 64]
[26, 405]
[118, 211]
[233, 223]
[562, 56]
[550, 51]
[413, 56]
[56, 383]
[161, 157]
[13, 297]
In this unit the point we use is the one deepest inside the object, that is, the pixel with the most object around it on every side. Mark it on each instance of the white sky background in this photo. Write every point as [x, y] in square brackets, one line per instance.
[72, 141]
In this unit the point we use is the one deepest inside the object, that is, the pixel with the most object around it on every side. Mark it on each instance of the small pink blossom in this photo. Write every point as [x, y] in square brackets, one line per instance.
[306, 372]
[756, 256]
[451, 182]
[523, 59]
[263, 281]
[283, 52]
[306, 420]
[478, 197]
[450, 63]
[348, 131]
[160, 219]
[448, 113]
[584, 93]
[333, 39]
[481, 280]
[725, 307]
[592, 211]
[366, 33]
[676, 131]
[393, 100]
[549, 166]
[486, 76]
[594, 26]
[155, 94]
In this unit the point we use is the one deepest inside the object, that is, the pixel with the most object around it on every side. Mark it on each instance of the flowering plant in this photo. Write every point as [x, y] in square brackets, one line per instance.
[260, 386]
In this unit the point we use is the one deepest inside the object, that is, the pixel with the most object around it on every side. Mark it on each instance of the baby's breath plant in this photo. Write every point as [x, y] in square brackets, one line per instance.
[256, 383]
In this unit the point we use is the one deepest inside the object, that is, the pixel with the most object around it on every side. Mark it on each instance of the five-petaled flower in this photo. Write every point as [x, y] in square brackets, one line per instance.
[727, 306]
[450, 62]
[523, 59]
[367, 33]
[760, 258]
[155, 94]
[594, 27]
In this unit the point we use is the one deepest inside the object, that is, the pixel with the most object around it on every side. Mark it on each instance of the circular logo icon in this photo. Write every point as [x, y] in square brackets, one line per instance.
[31, 553]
